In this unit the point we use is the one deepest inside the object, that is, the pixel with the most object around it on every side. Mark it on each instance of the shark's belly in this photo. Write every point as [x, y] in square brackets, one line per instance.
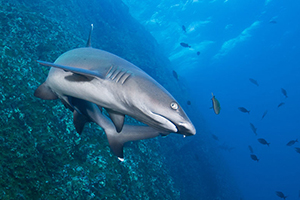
[93, 90]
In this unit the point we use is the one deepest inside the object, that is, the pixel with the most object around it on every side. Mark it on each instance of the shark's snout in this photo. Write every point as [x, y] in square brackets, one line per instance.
[186, 129]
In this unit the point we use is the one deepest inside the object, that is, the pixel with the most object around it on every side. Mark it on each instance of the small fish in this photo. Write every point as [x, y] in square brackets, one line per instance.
[292, 142]
[273, 22]
[254, 157]
[297, 149]
[225, 147]
[281, 104]
[244, 110]
[175, 75]
[253, 128]
[280, 194]
[198, 53]
[253, 81]
[215, 104]
[283, 91]
[250, 148]
[263, 141]
[264, 114]
[215, 137]
[189, 103]
[183, 28]
[185, 45]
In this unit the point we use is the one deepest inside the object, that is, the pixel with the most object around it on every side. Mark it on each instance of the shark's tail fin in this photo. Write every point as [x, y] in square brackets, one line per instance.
[129, 133]
[116, 140]
[88, 44]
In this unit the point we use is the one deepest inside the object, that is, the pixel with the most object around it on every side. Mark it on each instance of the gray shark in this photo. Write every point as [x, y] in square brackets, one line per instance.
[88, 79]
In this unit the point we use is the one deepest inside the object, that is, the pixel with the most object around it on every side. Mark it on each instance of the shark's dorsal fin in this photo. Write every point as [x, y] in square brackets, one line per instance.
[75, 70]
[88, 44]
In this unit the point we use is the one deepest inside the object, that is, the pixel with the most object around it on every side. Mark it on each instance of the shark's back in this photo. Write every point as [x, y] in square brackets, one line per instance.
[96, 60]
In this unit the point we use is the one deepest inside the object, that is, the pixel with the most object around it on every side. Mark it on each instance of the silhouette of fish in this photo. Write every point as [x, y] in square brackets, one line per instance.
[183, 28]
[263, 141]
[297, 149]
[253, 128]
[225, 147]
[198, 53]
[254, 157]
[253, 81]
[292, 142]
[281, 104]
[250, 148]
[283, 91]
[273, 22]
[264, 114]
[244, 110]
[215, 137]
[280, 194]
[175, 75]
[189, 102]
[185, 45]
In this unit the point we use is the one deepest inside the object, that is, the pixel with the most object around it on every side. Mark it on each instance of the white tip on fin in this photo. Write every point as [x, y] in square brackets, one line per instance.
[184, 136]
[120, 159]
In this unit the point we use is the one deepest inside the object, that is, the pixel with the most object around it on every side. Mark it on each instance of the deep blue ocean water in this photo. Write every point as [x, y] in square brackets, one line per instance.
[238, 40]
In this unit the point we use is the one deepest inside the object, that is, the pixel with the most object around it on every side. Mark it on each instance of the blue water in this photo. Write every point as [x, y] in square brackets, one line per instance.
[239, 40]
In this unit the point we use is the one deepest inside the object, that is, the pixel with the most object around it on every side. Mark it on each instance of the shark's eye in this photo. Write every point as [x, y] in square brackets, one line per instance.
[174, 105]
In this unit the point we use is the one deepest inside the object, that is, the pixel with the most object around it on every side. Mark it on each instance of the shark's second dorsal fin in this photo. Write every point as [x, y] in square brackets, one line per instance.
[88, 44]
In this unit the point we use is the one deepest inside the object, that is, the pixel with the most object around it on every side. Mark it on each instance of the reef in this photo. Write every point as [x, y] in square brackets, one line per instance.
[42, 156]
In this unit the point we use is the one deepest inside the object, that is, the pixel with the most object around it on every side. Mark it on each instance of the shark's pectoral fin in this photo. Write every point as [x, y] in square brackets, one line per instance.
[44, 92]
[79, 121]
[128, 133]
[75, 70]
[117, 119]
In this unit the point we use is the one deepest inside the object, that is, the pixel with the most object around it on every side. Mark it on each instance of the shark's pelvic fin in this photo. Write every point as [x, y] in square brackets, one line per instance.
[75, 70]
[88, 44]
[44, 92]
[117, 119]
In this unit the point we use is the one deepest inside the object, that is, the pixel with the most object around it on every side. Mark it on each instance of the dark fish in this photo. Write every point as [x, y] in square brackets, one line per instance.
[254, 157]
[273, 22]
[216, 104]
[280, 194]
[183, 28]
[225, 147]
[292, 142]
[253, 81]
[185, 45]
[283, 91]
[281, 104]
[250, 148]
[263, 141]
[189, 103]
[175, 75]
[215, 137]
[244, 110]
[297, 149]
[253, 128]
[198, 53]
[264, 114]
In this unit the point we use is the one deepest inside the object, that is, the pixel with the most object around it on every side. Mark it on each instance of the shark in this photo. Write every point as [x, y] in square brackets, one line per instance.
[89, 80]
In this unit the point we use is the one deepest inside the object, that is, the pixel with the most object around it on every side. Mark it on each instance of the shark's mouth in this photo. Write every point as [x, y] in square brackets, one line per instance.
[163, 122]
[184, 128]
